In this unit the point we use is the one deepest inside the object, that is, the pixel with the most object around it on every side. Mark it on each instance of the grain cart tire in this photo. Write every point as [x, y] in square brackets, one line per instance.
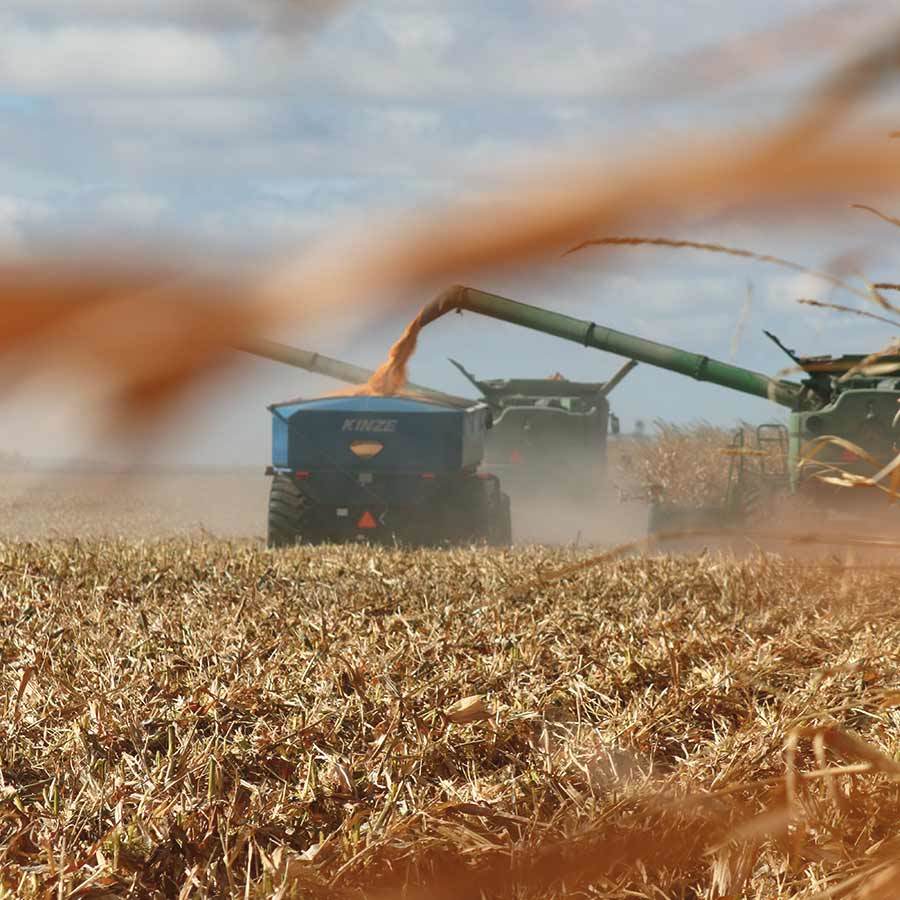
[469, 519]
[500, 532]
[492, 514]
[289, 513]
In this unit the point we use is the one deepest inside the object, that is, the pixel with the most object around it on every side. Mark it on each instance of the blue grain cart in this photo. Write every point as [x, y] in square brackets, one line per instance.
[384, 469]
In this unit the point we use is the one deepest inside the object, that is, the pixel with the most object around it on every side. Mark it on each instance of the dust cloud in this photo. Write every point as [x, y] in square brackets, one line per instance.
[68, 504]
[231, 504]
[599, 519]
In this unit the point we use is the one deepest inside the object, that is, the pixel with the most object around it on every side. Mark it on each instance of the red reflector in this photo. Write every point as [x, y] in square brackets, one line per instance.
[428, 475]
[515, 457]
[367, 520]
[849, 456]
[301, 475]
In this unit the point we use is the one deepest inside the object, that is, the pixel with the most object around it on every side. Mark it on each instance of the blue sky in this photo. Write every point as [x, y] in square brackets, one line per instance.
[255, 126]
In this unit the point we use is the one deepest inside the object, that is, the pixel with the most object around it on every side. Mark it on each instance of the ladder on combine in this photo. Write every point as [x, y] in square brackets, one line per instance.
[757, 471]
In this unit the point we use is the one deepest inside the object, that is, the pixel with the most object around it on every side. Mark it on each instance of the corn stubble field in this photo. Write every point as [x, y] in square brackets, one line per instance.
[191, 717]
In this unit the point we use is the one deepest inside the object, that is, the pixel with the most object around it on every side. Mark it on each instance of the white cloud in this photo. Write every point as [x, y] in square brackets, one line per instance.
[570, 114]
[163, 154]
[211, 13]
[785, 290]
[73, 9]
[184, 115]
[402, 123]
[133, 208]
[12, 243]
[421, 30]
[305, 191]
[280, 228]
[113, 59]
[561, 68]
[16, 215]
[368, 72]
[556, 6]
[396, 52]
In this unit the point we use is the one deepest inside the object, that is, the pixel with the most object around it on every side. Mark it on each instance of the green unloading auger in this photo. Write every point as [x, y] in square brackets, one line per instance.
[589, 334]
[335, 368]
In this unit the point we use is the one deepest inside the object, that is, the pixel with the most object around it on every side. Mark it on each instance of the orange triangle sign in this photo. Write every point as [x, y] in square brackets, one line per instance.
[367, 520]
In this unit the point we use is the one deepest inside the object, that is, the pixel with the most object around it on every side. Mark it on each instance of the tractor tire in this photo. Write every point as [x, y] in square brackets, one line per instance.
[467, 513]
[500, 531]
[289, 511]
[492, 516]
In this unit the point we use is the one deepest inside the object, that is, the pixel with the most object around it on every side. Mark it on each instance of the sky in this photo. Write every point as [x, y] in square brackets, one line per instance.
[256, 126]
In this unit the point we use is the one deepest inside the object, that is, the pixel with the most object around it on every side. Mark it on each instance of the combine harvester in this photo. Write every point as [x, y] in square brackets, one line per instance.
[549, 439]
[843, 431]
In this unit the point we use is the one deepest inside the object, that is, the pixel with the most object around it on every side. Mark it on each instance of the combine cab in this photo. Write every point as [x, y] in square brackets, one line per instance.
[549, 433]
[383, 469]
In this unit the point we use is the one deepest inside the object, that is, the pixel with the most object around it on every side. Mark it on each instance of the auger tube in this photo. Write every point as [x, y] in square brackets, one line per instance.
[334, 368]
[589, 334]
[619, 377]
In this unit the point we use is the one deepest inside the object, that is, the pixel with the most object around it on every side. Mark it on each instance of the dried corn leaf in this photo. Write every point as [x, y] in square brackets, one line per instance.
[468, 710]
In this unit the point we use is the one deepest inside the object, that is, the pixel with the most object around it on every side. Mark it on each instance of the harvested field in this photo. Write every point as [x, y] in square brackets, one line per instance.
[212, 719]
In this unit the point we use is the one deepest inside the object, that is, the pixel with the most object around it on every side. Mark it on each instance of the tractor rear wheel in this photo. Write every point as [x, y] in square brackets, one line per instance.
[500, 528]
[491, 513]
[289, 513]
